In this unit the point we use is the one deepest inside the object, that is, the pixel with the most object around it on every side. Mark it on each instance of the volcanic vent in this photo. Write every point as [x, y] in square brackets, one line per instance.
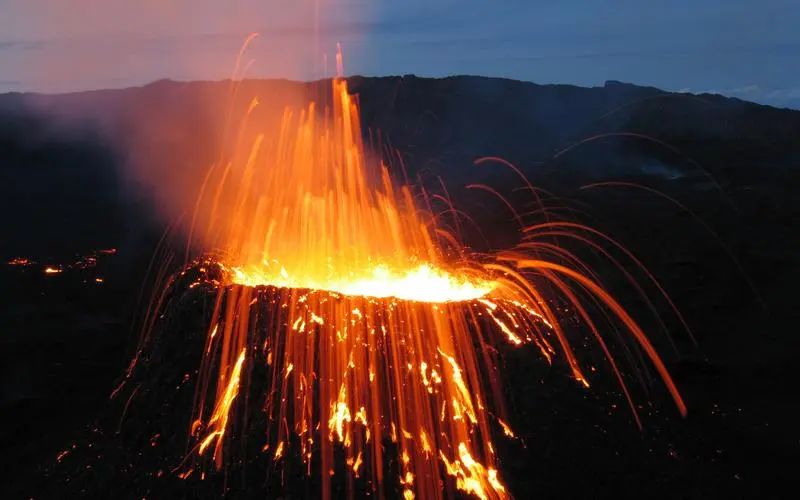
[335, 328]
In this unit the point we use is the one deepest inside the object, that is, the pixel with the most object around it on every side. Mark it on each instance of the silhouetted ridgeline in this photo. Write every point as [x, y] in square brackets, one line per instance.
[60, 149]
[465, 116]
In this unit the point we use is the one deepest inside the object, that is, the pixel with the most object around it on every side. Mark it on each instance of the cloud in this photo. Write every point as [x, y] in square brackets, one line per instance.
[57, 46]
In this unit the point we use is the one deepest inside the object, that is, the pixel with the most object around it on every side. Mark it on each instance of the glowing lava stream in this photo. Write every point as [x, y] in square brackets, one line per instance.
[421, 284]
[344, 294]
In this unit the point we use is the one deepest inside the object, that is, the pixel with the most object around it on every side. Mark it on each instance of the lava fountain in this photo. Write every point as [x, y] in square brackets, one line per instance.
[371, 326]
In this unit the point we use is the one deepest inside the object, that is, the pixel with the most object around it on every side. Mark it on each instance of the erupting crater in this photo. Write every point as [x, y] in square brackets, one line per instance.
[368, 330]
[423, 283]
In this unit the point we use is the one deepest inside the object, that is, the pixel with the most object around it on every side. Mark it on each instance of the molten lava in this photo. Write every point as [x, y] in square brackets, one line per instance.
[374, 326]
[421, 284]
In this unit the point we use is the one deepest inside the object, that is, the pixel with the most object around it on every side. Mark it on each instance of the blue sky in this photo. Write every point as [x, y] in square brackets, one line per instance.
[749, 49]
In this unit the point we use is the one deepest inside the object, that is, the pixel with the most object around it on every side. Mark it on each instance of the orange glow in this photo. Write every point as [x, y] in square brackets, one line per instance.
[52, 270]
[422, 284]
[506, 429]
[20, 261]
[219, 419]
[472, 477]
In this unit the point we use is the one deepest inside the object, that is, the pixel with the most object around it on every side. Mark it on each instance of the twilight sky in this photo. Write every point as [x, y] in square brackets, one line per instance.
[744, 48]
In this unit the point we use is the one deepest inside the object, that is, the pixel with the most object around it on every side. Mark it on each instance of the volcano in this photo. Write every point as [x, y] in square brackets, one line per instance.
[561, 424]
[142, 442]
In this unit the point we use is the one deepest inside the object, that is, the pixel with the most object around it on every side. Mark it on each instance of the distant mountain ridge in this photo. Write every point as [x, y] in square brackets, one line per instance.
[557, 134]
[522, 121]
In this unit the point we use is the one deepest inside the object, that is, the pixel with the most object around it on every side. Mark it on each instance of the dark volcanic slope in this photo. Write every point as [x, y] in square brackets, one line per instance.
[66, 187]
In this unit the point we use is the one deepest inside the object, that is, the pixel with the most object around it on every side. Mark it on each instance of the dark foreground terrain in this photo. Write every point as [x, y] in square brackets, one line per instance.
[77, 180]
